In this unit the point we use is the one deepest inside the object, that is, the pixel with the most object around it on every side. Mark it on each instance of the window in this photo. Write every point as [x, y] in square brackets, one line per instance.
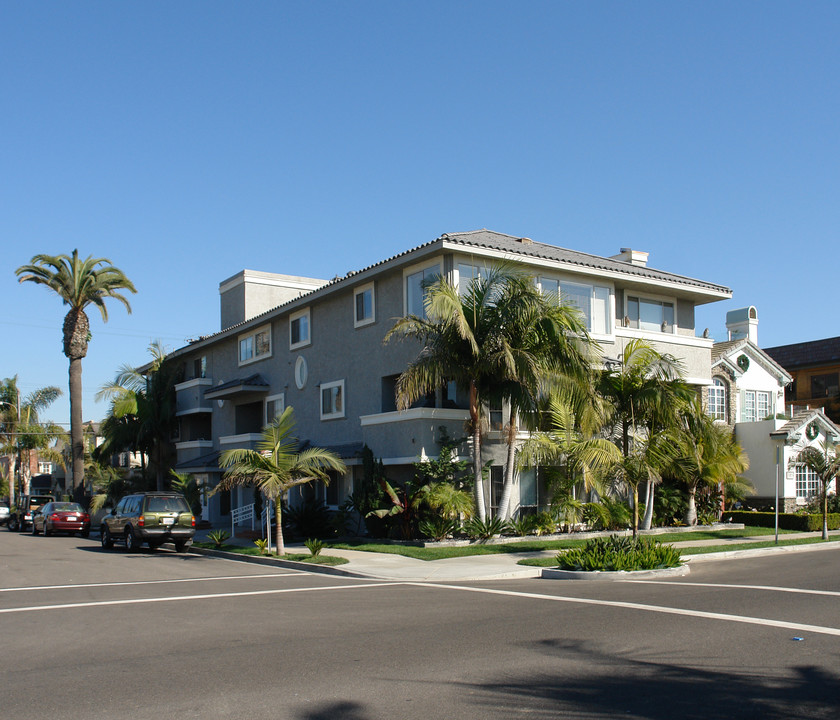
[756, 406]
[496, 419]
[749, 406]
[497, 486]
[200, 367]
[363, 306]
[332, 400]
[824, 385]
[45, 468]
[299, 329]
[274, 406]
[528, 492]
[653, 315]
[256, 345]
[762, 400]
[717, 400]
[468, 272]
[807, 482]
[593, 302]
[415, 289]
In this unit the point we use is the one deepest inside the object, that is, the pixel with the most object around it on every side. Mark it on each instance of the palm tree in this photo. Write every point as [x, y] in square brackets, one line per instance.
[142, 413]
[79, 283]
[277, 465]
[21, 430]
[826, 465]
[644, 393]
[706, 454]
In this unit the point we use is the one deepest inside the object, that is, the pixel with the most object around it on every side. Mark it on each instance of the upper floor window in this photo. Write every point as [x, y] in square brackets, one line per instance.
[200, 367]
[717, 400]
[45, 468]
[468, 272]
[824, 385]
[647, 314]
[332, 400]
[363, 306]
[415, 289]
[593, 301]
[256, 345]
[756, 406]
[299, 334]
[274, 406]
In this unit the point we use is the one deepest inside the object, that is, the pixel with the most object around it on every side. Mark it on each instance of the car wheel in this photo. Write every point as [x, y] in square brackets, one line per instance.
[47, 530]
[34, 529]
[131, 543]
[13, 524]
[105, 538]
[180, 545]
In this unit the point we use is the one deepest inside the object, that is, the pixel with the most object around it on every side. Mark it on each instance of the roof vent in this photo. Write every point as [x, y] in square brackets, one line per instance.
[526, 241]
[634, 257]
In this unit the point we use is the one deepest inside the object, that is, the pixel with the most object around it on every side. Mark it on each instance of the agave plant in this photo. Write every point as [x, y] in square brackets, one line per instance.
[314, 546]
[477, 529]
[438, 527]
[523, 526]
[218, 537]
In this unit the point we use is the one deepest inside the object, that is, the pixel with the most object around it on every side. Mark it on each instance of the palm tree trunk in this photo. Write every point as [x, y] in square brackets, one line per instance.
[77, 442]
[507, 491]
[281, 546]
[691, 509]
[825, 511]
[635, 510]
[648, 519]
[480, 509]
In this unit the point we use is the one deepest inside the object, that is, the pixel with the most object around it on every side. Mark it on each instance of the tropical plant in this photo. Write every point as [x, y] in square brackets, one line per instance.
[466, 340]
[142, 411]
[438, 527]
[522, 526]
[218, 537]
[262, 545]
[277, 465]
[478, 529]
[187, 485]
[405, 504]
[310, 519]
[314, 546]
[706, 455]
[615, 553]
[80, 284]
[546, 523]
[825, 463]
[22, 432]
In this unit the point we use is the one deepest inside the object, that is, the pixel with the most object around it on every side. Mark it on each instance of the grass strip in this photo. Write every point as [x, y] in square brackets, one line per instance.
[330, 560]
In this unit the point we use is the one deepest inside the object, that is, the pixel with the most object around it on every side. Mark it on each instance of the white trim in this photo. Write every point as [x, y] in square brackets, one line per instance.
[279, 396]
[306, 312]
[414, 414]
[252, 334]
[195, 382]
[660, 337]
[301, 372]
[358, 291]
[194, 445]
[342, 397]
[257, 277]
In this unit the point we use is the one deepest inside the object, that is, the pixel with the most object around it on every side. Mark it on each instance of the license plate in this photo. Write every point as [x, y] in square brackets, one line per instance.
[72, 518]
[168, 521]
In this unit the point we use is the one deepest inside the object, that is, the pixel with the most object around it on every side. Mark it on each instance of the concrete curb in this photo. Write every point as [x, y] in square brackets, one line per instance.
[277, 562]
[612, 576]
[758, 552]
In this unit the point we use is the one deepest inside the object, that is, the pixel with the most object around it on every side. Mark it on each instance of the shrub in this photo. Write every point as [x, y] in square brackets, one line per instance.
[314, 546]
[218, 537]
[619, 553]
[262, 544]
[438, 527]
[523, 526]
[311, 519]
[546, 524]
[787, 521]
[483, 529]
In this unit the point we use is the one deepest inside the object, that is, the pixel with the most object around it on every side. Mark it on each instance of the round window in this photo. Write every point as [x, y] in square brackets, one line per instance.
[301, 372]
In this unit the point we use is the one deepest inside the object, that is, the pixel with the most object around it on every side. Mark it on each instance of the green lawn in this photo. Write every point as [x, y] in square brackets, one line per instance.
[296, 557]
[535, 545]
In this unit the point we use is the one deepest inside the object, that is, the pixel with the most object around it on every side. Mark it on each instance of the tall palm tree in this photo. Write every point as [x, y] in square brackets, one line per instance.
[142, 412]
[468, 339]
[277, 465]
[645, 393]
[825, 463]
[706, 454]
[21, 430]
[79, 283]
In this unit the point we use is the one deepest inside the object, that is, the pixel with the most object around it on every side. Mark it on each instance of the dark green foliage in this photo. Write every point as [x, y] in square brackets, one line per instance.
[787, 521]
[477, 529]
[218, 537]
[669, 504]
[619, 553]
[438, 527]
[311, 519]
[523, 526]
[607, 514]
[815, 505]
[444, 468]
[314, 546]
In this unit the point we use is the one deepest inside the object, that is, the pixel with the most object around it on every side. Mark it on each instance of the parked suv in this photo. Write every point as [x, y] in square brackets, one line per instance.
[20, 517]
[153, 518]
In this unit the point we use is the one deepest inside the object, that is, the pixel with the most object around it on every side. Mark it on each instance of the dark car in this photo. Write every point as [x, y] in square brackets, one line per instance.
[66, 517]
[21, 516]
[153, 518]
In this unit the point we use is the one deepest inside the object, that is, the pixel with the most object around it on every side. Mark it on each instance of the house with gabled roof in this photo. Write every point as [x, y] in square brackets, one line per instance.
[748, 393]
[318, 346]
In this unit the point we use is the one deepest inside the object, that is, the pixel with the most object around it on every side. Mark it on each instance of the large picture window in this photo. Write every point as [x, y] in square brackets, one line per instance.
[593, 301]
[652, 315]
[415, 289]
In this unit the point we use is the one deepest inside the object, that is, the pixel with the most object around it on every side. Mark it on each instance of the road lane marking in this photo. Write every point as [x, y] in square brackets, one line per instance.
[775, 588]
[746, 619]
[145, 582]
[177, 598]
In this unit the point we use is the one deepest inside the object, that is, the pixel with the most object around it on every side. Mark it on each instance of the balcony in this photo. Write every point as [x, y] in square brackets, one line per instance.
[244, 441]
[407, 436]
[189, 397]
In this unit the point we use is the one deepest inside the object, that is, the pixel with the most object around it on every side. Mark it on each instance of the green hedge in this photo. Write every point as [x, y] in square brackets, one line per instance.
[787, 521]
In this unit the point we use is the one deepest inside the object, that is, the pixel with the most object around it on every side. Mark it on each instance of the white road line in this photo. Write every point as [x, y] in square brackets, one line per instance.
[798, 627]
[774, 588]
[177, 598]
[145, 582]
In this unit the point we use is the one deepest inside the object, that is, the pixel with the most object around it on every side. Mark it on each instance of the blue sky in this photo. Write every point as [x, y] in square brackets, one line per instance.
[187, 141]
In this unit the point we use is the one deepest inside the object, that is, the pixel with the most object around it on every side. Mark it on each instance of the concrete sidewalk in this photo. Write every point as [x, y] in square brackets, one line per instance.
[388, 566]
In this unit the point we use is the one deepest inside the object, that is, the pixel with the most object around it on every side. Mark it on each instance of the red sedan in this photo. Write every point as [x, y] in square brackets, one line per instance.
[66, 517]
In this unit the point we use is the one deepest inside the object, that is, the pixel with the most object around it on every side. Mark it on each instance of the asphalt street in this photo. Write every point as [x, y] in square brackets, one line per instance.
[88, 633]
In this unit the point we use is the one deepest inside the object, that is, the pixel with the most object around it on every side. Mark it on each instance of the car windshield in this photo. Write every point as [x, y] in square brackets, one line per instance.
[167, 504]
[67, 507]
[38, 501]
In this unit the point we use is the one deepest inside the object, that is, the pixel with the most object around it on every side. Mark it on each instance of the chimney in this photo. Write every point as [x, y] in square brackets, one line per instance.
[634, 257]
[743, 323]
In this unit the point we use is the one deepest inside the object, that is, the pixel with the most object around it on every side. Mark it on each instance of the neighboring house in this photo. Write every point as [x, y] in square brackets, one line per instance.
[815, 367]
[318, 346]
[748, 393]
